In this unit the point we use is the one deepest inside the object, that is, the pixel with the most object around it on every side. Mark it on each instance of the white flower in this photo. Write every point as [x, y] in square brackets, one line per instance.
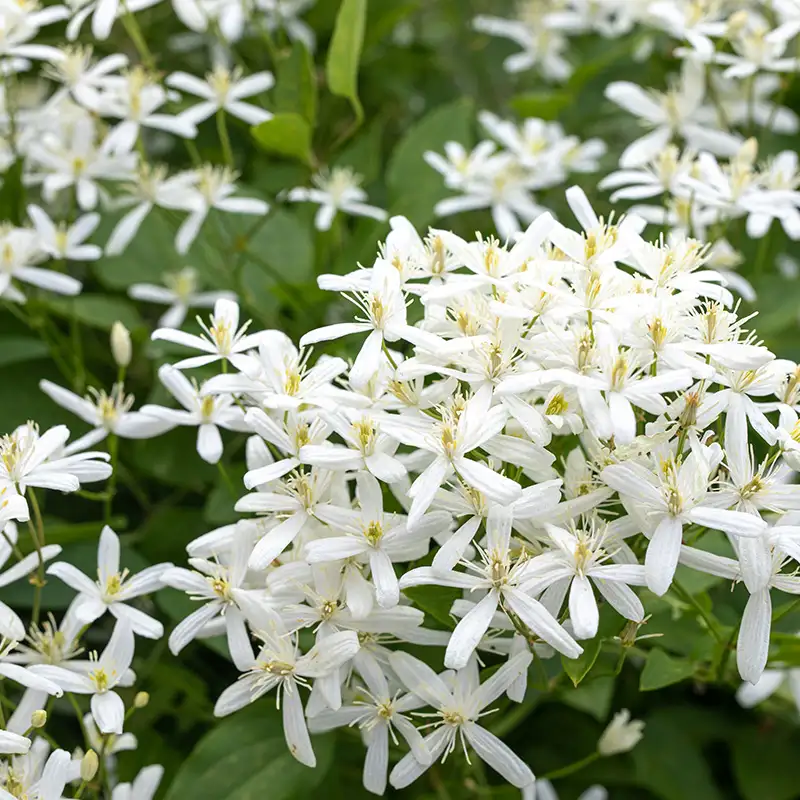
[380, 716]
[377, 537]
[80, 162]
[458, 710]
[284, 15]
[204, 189]
[385, 308]
[621, 735]
[219, 584]
[113, 589]
[224, 89]
[759, 48]
[337, 190]
[542, 47]
[670, 499]
[207, 412]
[179, 293]
[28, 459]
[749, 695]
[279, 666]
[22, 249]
[100, 677]
[143, 787]
[38, 778]
[505, 585]
[675, 112]
[66, 242]
[223, 339]
[576, 565]
[107, 413]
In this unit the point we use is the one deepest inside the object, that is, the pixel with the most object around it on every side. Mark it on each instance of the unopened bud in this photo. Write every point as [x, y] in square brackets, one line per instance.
[89, 766]
[38, 718]
[622, 734]
[688, 417]
[141, 700]
[121, 344]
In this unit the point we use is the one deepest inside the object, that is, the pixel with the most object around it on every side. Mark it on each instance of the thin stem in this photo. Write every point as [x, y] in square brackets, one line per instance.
[711, 623]
[37, 535]
[571, 769]
[224, 138]
[79, 714]
[227, 480]
[113, 448]
[139, 42]
[762, 256]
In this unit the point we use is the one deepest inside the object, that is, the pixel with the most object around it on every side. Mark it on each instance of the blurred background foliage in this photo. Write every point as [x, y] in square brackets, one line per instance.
[423, 75]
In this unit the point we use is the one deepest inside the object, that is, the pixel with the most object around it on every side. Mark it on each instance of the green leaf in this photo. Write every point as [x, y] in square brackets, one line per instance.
[172, 459]
[364, 153]
[414, 187]
[764, 762]
[12, 194]
[344, 53]
[663, 670]
[544, 105]
[246, 758]
[670, 764]
[287, 134]
[435, 601]
[592, 697]
[15, 349]
[296, 84]
[98, 310]
[578, 668]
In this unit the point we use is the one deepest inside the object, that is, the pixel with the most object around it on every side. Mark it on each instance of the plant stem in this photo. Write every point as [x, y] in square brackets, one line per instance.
[37, 534]
[711, 623]
[224, 138]
[139, 42]
[113, 447]
[571, 769]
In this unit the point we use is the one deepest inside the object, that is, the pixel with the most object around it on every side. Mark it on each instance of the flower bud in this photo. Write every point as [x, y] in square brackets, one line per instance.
[89, 766]
[38, 718]
[141, 700]
[120, 344]
[621, 735]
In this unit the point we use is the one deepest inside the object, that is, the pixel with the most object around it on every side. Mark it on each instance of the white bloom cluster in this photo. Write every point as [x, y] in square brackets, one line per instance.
[537, 155]
[537, 430]
[697, 160]
[571, 414]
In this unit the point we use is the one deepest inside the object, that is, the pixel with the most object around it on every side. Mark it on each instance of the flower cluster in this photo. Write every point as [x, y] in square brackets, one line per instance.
[537, 156]
[509, 456]
[544, 427]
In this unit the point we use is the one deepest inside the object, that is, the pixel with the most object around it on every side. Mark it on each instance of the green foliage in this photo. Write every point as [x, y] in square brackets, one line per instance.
[246, 758]
[345, 52]
[414, 187]
[661, 670]
[286, 134]
[296, 84]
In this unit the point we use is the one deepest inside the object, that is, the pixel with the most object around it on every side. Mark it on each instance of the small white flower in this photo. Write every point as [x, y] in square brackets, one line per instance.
[224, 89]
[113, 589]
[621, 735]
[337, 190]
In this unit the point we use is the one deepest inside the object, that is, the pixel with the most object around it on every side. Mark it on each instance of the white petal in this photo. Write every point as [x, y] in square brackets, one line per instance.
[469, 631]
[752, 648]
